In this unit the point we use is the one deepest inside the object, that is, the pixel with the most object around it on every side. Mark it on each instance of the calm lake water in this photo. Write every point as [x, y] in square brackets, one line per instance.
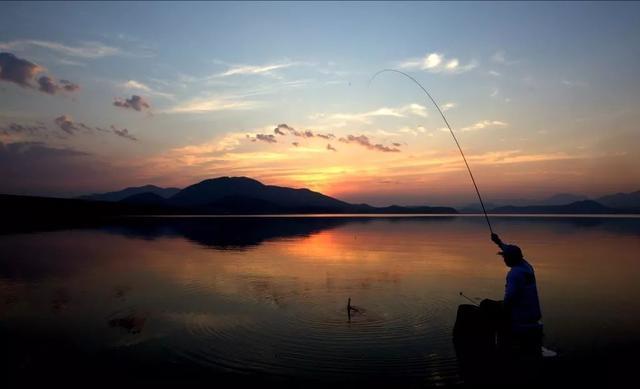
[265, 298]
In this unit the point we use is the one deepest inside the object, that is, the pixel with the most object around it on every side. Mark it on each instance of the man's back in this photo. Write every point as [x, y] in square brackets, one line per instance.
[521, 293]
[521, 297]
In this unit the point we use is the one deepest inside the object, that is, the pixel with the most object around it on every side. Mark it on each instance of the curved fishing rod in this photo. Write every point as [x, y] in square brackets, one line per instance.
[450, 130]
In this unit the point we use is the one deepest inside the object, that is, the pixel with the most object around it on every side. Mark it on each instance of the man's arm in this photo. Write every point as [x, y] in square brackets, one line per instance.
[496, 239]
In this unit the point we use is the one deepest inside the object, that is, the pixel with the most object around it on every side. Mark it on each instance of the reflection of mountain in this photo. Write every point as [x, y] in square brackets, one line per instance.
[226, 233]
[23, 257]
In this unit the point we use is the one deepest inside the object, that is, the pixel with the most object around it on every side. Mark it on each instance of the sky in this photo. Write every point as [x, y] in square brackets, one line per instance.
[543, 97]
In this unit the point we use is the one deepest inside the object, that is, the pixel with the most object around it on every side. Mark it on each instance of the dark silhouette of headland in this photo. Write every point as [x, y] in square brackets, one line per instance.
[218, 196]
[246, 196]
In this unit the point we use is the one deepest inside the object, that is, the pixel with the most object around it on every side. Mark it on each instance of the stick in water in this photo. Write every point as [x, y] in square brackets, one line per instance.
[468, 298]
[450, 130]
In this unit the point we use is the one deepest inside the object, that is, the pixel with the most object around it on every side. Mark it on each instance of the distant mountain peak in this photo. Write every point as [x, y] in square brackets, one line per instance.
[577, 207]
[131, 191]
[214, 189]
[628, 201]
[230, 178]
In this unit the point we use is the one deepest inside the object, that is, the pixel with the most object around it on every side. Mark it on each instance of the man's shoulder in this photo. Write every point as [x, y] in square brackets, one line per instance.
[520, 269]
[527, 266]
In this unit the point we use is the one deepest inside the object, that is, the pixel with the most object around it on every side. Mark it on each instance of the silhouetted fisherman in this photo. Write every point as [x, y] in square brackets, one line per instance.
[517, 318]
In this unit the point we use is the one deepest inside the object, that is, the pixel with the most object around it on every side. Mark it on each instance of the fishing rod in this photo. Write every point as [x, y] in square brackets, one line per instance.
[450, 130]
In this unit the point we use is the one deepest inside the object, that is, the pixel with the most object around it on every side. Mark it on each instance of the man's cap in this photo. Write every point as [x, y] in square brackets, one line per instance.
[511, 251]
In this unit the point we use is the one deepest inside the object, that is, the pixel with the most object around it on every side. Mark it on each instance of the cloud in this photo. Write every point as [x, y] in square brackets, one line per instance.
[413, 131]
[136, 102]
[36, 168]
[16, 128]
[205, 105]
[448, 106]
[49, 85]
[69, 86]
[363, 140]
[37, 148]
[69, 62]
[136, 85]
[331, 148]
[283, 129]
[269, 138]
[18, 70]
[133, 84]
[485, 124]
[196, 154]
[494, 73]
[438, 63]
[124, 133]
[500, 57]
[573, 84]
[256, 69]
[326, 136]
[23, 72]
[87, 50]
[68, 125]
[64, 122]
[365, 117]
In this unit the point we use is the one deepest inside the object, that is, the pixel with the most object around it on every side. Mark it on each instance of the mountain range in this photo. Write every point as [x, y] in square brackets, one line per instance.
[132, 191]
[243, 195]
[615, 203]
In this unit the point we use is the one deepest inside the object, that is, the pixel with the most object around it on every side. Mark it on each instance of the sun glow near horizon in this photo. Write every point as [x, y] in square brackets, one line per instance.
[136, 104]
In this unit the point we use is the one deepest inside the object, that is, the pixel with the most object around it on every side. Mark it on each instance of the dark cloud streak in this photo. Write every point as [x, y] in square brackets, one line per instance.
[16, 128]
[68, 125]
[269, 138]
[137, 103]
[23, 73]
[364, 141]
[36, 168]
[124, 133]
[283, 129]
[18, 70]
[48, 85]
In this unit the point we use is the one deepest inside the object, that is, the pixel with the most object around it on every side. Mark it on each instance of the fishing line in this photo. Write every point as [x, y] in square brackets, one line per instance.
[450, 130]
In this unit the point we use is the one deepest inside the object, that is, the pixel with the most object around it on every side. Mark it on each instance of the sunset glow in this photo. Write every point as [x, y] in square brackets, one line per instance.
[106, 102]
